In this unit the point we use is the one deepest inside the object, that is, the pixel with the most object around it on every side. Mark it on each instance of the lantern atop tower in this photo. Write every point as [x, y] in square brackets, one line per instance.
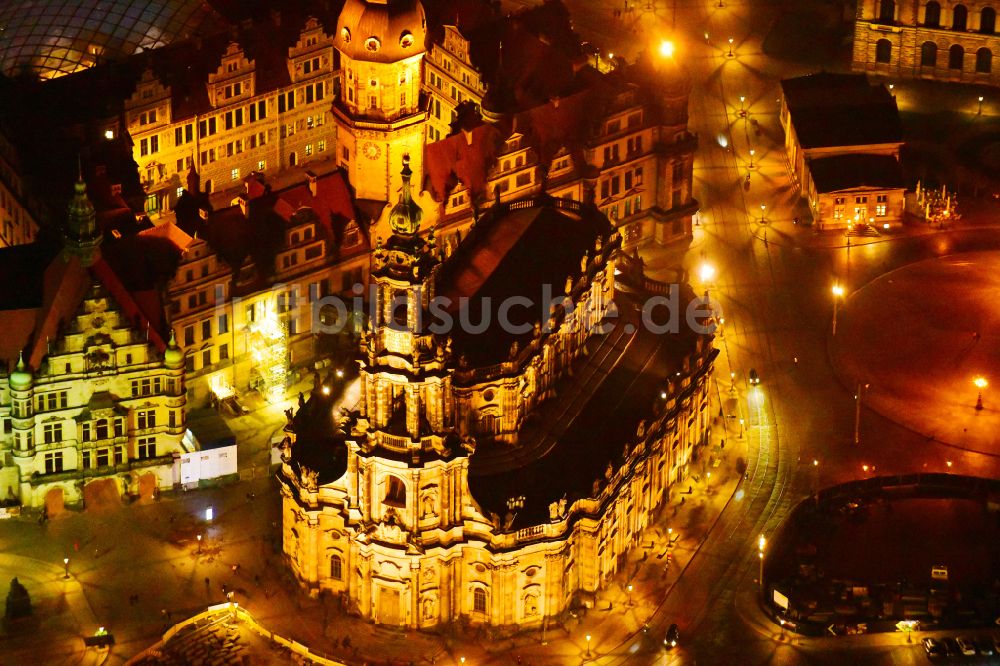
[381, 30]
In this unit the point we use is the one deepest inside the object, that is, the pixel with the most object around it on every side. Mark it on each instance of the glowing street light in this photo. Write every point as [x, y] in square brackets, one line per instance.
[199, 544]
[588, 645]
[763, 208]
[65, 568]
[730, 54]
[706, 272]
[752, 152]
[743, 111]
[980, 106]
[980, 383]
[629, 588]
[838, 293]
[761, 544]
[667, 48]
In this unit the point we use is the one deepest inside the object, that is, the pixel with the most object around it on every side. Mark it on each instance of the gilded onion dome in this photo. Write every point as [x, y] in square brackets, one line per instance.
[381, 31]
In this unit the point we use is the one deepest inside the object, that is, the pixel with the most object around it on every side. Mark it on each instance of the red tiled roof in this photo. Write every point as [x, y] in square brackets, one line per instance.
[65, 284]
[170, 232]
[464, 157]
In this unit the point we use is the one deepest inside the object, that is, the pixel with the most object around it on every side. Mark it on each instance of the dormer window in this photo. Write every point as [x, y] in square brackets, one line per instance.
[372, 44]
[406, 39]
[231, 66]
[345, 34]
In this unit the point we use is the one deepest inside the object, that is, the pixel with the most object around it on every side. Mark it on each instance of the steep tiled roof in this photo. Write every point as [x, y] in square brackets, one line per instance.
[526, 253]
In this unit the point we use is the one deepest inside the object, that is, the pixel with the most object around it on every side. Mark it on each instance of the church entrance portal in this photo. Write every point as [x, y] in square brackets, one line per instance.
[388, 606]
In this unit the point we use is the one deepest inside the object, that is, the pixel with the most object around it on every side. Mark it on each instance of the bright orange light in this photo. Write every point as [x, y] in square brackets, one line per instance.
[980, 382]
[667, 48]
[837, 290]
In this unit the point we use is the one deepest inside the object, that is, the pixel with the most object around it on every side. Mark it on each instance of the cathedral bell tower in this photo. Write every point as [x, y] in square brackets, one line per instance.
[377, 111]
[406, 386]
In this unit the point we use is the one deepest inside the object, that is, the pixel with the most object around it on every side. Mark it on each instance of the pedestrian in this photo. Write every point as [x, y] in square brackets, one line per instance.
[722, 444]
[206, 581]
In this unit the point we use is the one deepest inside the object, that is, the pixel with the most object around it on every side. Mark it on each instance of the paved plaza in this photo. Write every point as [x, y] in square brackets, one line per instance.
[918, 337]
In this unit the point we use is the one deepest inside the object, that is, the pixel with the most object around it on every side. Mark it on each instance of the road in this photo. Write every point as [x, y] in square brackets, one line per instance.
[777, 304]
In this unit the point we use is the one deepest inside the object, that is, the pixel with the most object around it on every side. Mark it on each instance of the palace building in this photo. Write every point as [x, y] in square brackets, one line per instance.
[930, 40]
[93, 397]
[492, 473]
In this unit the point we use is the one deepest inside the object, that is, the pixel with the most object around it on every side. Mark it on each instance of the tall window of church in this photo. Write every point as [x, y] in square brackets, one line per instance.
[336, 567]
[395, 492]
[988, 21]
[399, 315]
[959, 17]
[984, 61]
[490, 424]
[928, 54]
[887, 11]
[956, 54]
[479, 600]
[883, 51]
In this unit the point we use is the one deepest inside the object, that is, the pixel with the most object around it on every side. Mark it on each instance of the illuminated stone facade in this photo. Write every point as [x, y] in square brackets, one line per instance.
[434, 501]
[99, 395]
[933, 40]
[17, 224]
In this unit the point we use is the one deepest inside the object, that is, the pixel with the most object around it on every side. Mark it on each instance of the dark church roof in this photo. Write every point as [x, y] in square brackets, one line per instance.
[524, 252]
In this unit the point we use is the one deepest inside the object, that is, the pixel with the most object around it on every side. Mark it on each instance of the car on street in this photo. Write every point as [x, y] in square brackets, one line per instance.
[754, 377]
[985, 646]
[673, 635]
[966, 646]
[950, 647]
[933, 648]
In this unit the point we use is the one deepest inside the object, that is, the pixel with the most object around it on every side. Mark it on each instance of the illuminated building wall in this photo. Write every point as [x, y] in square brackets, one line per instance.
[928, 40]
[17, 225]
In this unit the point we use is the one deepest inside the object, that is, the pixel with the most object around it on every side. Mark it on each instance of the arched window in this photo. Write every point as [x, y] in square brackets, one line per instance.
[395, 492]
[336, 567]
[984, 60]
[928, 54]
[988, 21]
[887, 11]
[955, 56]
[883, 50]
[959, 17]
[479, 600]
[932, 15]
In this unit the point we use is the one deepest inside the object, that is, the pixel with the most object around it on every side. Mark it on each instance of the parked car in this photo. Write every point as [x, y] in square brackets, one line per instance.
[996, 644]
[985, 646]
[966, 646]
[933, 648]
[754, 377]
[673, 635]
[950, 646]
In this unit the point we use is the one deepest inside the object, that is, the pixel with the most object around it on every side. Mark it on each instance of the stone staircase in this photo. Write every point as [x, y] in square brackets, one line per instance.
[862, 230]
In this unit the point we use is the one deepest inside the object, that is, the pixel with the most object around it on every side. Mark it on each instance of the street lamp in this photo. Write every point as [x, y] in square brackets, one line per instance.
[730, 54]
[980, 383]
[199, 544]
[761, 544]
[752, 152]
[629, 588]
[741, 428]
[65, 568]
[838, 292]
[763, 209]
[667, 48]
[743, 111]
[980, 105]
[816, 479]
[706, 272]
[588, 645]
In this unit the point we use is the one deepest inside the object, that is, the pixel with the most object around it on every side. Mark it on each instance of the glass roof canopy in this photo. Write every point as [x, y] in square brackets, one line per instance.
[50, 38]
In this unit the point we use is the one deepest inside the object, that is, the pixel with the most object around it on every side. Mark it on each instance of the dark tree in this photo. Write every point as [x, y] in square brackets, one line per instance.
[18, 601]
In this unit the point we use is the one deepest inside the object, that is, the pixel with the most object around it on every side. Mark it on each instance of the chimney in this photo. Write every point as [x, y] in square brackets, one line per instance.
[312, 182]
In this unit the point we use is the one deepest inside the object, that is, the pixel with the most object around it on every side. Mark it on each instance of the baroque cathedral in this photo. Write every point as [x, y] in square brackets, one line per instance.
[488, 472]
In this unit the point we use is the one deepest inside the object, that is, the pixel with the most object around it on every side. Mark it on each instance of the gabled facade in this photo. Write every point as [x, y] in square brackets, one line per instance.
[95, 407]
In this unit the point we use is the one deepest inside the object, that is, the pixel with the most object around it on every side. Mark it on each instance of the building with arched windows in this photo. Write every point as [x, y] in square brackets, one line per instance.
[492, 473]
[932, 40]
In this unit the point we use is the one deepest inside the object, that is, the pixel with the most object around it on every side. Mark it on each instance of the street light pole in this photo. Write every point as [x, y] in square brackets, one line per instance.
[761, 544]
[980, 111]
[857, 413]
[838, 291]
[65, 568]
[730, 54]
[763, 208]
[743, 111]
[980, 383]
[752, 151]
[588, 646]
